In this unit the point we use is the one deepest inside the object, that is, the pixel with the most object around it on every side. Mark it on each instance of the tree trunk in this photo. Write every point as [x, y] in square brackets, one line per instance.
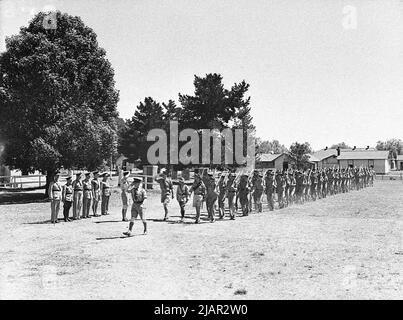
[50, 174]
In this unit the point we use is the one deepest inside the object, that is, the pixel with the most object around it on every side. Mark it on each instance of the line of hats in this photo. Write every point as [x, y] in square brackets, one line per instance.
[79, 174]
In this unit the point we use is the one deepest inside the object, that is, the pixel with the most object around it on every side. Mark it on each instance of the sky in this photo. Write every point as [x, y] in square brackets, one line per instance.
[322, 71]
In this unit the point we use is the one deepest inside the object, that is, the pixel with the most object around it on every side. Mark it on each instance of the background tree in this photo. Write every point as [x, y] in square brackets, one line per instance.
[394, 146]
[214, 107]
[342, 145]
[57, 97]
[148, 115]
[300, 151]
[266, 146]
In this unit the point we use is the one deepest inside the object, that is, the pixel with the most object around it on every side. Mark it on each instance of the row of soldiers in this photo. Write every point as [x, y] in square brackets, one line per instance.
[83, 195]
[286, 186]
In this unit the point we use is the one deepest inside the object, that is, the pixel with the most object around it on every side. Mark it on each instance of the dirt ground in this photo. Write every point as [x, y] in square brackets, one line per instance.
[348, 246]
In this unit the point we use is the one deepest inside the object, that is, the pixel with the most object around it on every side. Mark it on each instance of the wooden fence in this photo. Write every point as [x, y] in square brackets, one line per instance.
[22, 181]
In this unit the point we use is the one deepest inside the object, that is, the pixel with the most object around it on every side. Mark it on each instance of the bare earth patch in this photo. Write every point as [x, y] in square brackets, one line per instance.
[344, 247]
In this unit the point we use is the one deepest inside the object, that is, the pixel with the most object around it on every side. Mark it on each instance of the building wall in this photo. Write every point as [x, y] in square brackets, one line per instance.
[328, 163]
[380, 165]
[399, 165]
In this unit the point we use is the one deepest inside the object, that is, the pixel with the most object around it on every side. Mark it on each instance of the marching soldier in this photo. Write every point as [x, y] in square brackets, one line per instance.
[96, 193]
[280, 184]
[166, 190]
[257, 192]
[270, 184]
[67, 197]
[199, 190]
[55, 196]
[231, 194]
[124, 185]
[182, 195]
[242, 193]
[211, 196]
[221, 196]
[314, 184]
[77, 196]
[139, 196]
[105, 194]
[292, 185]
[299, 187]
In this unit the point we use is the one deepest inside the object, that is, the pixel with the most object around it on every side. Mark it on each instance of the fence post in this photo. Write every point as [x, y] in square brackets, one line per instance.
[40, 180]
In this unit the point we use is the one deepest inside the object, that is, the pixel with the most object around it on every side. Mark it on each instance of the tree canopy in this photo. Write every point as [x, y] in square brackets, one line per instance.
[57, 97]
[300, 152]
[394, 146]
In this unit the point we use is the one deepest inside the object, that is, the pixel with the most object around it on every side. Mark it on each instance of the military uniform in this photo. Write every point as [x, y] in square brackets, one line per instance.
[257, 192]
[67, 199]
[87, 196]
[199, 192]
[77, 197]
[242, 193]
[55, 196]
[124, 185]
[211, 196]
[221, 196]
[96, 193]
[270, 185]
[231, 193]
[166, 188]
[139, 195]
[280, 184]
[105, 194]
[182, 196]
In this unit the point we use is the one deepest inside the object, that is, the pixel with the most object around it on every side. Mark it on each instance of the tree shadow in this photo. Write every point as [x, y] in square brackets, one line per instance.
[45, 221]
[109, 221]
[22, 197]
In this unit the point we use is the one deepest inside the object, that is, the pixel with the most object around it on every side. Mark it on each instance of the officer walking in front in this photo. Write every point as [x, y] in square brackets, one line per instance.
[139, 196]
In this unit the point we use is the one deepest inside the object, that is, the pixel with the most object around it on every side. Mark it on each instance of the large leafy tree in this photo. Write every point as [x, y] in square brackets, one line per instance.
[148, 115]
[214, 107]
[300, 152]
[341, 145]
[57, 97]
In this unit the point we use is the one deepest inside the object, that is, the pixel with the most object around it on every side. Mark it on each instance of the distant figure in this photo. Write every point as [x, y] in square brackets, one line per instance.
[270, 185]
[211, 196]
[55, 196]
[67, 198]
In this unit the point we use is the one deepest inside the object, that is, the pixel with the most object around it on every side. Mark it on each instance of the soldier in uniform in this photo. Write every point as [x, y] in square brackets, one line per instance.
[96, 193]
[270, 187]
[87, 195]
[139, 196]
[242, 193]
[124, 185]
[299, 187]
[257, 192]
[211, 196]
[199, 190]
[77, 196]
[67, 198]
[286, 182]
[314, 184]
[230, 192]
[292, 186]
[182, 195]
[280, 184]
[55, 196]
[221, 196]
[166, 187]
[105, 194]
[251, 183]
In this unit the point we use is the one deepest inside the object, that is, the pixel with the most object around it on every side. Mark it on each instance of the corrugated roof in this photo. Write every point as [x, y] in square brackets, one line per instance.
[324, 154]
[363, 155]
[268, 157]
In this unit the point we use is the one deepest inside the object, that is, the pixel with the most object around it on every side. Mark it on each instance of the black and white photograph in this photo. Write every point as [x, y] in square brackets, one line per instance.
[190, 150]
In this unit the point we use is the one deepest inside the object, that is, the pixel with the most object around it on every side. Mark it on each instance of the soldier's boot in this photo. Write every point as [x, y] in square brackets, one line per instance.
[129, 233]
[166, 213]
[124, 215]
